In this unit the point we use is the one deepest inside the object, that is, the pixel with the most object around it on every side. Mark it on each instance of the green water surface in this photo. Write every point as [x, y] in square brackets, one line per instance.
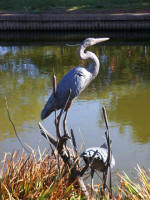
[122, 86]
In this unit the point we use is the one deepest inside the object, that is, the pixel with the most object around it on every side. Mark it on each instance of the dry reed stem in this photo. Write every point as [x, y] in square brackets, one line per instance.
[28, 177]
[108, 167]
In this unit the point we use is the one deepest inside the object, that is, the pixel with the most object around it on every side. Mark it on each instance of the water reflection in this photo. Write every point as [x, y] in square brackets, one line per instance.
[123, 86]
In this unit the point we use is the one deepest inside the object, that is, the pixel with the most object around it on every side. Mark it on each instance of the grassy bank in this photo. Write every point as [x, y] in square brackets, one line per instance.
[40, 5]
[26, 177]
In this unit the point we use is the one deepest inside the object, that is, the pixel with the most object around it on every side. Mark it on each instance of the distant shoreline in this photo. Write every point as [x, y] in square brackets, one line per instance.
[80, 20]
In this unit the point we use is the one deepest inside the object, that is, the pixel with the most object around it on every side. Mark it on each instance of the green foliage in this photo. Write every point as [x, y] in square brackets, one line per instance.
[39, 5]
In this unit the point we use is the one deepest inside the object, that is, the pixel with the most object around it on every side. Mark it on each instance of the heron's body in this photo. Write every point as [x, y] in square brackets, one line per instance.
[99, 161]
[75, 80]
[100, 158]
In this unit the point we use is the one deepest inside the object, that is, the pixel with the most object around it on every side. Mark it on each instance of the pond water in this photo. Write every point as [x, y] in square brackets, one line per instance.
[122, 86]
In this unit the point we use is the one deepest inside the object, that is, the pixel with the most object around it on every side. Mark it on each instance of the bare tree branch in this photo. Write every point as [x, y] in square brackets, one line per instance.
[74, 141]
[15, 131]
[46, 134]
[109, 157]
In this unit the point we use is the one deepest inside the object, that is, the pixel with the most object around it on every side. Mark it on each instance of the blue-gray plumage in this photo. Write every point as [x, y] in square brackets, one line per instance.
[75, 80]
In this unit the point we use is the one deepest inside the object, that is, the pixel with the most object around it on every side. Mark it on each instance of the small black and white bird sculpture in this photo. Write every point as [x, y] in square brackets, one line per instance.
[99, 160]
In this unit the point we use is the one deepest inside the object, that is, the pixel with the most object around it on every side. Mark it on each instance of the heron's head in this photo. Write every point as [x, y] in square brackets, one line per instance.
[92, 41]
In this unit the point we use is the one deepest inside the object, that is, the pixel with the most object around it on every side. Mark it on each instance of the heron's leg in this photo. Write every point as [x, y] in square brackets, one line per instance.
[57, 124]
[64, 124]
[104, 182]
[65, 108]
[92, 182]
[58, 117]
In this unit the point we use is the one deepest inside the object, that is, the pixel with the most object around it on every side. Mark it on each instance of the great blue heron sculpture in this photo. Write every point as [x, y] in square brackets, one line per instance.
[76, 80]
[99, 161]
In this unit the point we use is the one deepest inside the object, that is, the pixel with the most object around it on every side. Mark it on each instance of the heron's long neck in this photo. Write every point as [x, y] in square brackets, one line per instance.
[93, 66]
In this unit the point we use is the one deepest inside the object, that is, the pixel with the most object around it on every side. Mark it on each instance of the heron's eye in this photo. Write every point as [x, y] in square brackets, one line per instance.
[88, 42]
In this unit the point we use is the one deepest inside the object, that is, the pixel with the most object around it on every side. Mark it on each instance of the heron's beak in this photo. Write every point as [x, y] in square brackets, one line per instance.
[98, 40]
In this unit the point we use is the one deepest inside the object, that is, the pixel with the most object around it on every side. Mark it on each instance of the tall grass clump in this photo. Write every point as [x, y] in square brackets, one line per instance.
[34, 177]
[40, 176]
[135, 190]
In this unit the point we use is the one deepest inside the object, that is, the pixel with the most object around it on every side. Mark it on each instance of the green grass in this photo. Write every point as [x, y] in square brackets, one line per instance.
[45, 5]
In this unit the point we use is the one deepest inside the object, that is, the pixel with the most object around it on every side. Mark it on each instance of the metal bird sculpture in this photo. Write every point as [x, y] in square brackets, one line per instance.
[100, 159]
[76, 80]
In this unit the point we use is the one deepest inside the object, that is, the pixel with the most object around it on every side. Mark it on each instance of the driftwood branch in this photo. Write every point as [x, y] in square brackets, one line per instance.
[74, 142]
[71, 158]
[47, 135]
[75, 172]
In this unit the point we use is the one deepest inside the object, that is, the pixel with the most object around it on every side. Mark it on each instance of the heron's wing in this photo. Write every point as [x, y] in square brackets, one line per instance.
[77, 80]
[48, 108]
[90, 152]
[102, 154]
